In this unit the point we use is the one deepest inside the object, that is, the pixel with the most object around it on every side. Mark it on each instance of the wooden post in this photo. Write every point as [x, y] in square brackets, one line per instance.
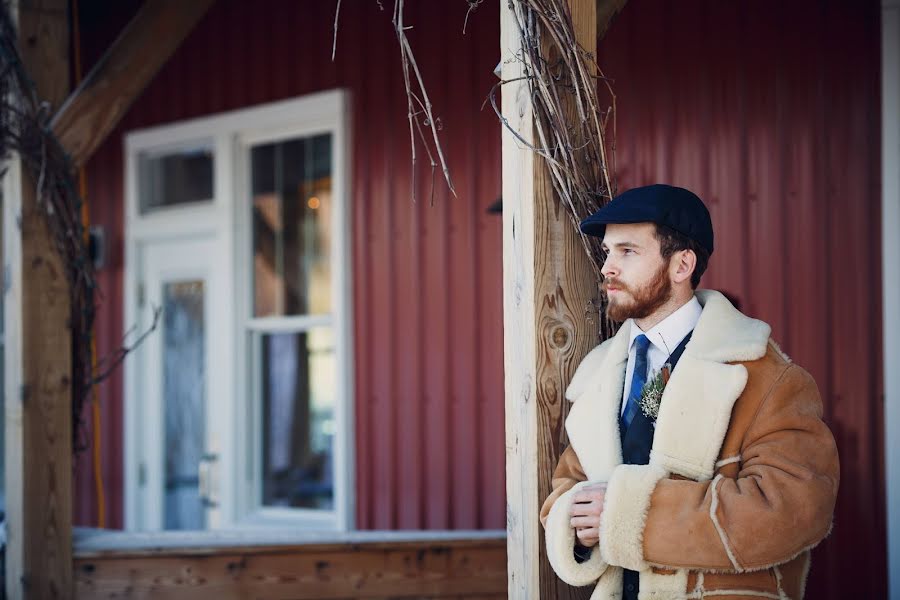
[549, 295]
[38, 355]
[548, 286]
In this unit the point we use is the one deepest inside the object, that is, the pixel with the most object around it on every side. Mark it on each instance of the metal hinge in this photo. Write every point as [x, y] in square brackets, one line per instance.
[140, 294]
[142, 474]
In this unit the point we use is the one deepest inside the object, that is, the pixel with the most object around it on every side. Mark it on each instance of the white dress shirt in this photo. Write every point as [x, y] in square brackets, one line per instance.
[664, 338]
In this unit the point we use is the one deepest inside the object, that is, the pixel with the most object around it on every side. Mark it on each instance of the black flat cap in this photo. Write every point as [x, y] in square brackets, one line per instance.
[667, 205]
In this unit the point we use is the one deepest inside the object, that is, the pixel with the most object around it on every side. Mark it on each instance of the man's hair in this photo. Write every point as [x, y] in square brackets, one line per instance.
[671, 241]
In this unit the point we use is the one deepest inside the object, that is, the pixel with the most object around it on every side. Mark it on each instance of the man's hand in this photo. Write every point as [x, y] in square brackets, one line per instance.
[587, 506]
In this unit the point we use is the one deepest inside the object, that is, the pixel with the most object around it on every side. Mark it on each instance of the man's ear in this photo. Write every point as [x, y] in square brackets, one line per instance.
[683, 264]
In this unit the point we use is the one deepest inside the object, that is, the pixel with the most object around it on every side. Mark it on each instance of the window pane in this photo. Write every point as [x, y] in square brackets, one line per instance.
[298, 379]
[292, 218]
[181, 177]
[184, 402]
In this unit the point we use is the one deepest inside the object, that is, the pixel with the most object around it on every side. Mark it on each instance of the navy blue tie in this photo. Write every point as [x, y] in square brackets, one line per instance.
[638, 379]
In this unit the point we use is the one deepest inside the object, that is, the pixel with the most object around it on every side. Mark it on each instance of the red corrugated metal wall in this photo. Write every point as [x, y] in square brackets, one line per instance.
[769, 110]
[427, 307]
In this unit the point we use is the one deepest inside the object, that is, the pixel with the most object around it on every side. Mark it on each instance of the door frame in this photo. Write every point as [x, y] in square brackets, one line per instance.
[208, 220]
[200, 263]
[224, 219]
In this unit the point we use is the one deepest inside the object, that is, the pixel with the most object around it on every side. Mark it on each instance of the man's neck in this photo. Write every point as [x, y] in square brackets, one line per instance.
[675, 302]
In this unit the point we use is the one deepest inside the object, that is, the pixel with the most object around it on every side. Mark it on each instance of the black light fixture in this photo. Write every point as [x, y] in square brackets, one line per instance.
[97, 246]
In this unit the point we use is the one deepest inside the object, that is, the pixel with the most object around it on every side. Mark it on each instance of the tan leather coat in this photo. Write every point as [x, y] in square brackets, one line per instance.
[742, 479]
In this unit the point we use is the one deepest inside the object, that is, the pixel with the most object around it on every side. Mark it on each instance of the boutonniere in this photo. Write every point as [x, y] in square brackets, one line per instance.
[652, 392]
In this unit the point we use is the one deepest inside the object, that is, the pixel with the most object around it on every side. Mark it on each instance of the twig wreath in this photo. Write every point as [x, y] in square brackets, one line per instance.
[25, 130]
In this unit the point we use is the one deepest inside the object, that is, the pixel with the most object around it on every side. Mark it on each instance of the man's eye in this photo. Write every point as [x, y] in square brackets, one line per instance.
[627, 251]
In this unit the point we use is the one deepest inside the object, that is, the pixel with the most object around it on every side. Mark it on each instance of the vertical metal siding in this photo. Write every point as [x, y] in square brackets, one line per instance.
[427, 303]
[770, 111]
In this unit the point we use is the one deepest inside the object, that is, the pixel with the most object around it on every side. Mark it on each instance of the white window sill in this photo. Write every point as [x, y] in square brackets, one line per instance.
[87, 541]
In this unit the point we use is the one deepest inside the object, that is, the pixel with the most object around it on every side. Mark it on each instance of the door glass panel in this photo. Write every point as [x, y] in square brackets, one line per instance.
[181, 177]
[184, 402]
[292, 219]
[298, 379]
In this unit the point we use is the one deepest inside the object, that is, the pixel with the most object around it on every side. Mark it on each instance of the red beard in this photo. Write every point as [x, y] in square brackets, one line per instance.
[643, 302]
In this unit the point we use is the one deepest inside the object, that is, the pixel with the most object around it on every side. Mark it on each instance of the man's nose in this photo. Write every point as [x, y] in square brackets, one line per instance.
[609, 268]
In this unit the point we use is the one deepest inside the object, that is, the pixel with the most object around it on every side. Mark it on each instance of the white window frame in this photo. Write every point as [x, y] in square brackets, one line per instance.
[227, 217]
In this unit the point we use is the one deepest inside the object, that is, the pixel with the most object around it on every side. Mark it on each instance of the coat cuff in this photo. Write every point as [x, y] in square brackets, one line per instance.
[625, 514]
[560, 537]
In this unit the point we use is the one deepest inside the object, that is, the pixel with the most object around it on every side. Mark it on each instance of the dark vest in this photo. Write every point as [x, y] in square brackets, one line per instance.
[636, 444]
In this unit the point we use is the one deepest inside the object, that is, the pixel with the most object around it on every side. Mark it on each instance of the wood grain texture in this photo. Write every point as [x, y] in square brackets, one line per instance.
[454, 569]
[39, 460]
[102, 99]
[548, 287]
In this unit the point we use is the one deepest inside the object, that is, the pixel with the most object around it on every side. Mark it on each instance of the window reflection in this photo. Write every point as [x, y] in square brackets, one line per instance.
[181, 177]
[298, 378]
[292, 220]
[184, 399]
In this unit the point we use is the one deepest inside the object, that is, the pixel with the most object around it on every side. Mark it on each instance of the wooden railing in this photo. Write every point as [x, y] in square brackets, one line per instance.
[355, 565]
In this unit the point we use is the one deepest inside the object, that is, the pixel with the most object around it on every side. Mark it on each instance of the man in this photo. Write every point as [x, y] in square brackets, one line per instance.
[699, 465]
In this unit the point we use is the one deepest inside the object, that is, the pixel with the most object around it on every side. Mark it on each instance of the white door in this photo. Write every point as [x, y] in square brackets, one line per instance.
[180, 428]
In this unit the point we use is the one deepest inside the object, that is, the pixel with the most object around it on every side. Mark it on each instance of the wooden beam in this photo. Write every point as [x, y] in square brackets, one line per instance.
[106, 94]
[38, 445]
[432, 569]
[548, 298]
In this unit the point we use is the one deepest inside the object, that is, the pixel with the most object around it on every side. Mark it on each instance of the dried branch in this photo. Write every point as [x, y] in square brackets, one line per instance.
[116, 358]
[25, 130]
[575, 134]
[337, 12]
[473, 4]
[408, 60]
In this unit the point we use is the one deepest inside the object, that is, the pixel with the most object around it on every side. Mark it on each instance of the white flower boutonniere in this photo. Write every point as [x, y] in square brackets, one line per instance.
[652, 392]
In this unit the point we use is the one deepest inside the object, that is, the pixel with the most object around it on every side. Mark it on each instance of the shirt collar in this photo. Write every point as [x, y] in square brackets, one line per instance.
[668, 333]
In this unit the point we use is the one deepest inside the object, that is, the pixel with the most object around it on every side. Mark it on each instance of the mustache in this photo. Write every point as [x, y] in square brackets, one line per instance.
[609, 281]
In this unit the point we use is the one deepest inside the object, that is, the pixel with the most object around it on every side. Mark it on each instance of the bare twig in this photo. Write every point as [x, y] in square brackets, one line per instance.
[337, 12]
[575, 135]
[420, 98]
[116, 358]
[416, 96]
[473, 4]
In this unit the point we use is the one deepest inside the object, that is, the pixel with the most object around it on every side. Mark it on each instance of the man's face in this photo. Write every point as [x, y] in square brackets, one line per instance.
[636, 277]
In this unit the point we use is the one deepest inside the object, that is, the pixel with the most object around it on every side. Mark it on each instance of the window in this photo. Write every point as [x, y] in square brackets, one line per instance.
[172, 178]
[292, 324]
[238, 227]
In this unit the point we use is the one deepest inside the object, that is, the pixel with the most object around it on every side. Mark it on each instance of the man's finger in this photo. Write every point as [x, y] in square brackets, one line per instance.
[588, 536]
[581, 497]
[581, 522]
[586, 509]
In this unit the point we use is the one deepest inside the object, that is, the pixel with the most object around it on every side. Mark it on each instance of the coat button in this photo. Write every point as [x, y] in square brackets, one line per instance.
[630, 587]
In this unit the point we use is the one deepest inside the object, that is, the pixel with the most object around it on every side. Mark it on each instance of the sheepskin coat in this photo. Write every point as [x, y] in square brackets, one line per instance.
[742, 479]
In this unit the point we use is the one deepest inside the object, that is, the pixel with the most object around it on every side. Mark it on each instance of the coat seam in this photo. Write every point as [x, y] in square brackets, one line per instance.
[723, 536]
[765, 399]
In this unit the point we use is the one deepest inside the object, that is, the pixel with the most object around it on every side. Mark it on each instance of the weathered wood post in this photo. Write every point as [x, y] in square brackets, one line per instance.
[39, 348]
[549, 303]
[38, 365]
[548, 288]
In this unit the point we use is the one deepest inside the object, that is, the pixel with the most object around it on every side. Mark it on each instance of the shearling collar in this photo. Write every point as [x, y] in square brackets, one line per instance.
[696, 405]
